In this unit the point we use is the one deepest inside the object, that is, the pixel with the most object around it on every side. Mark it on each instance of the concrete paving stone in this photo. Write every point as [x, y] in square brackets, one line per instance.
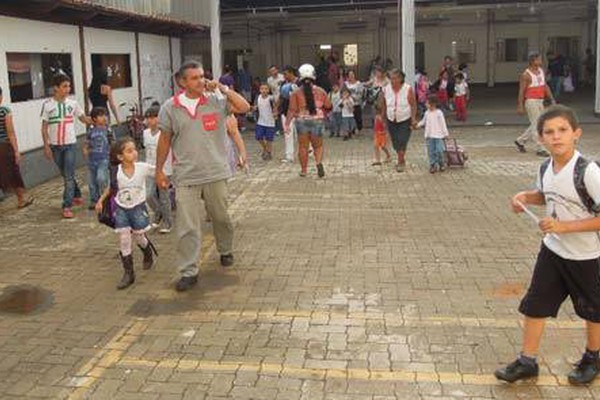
[337, 283]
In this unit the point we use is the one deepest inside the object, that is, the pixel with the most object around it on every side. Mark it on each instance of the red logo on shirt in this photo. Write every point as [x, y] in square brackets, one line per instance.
[210, 121]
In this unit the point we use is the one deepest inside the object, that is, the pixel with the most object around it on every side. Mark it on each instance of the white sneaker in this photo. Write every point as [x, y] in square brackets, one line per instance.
[286, 161]
[165, 229]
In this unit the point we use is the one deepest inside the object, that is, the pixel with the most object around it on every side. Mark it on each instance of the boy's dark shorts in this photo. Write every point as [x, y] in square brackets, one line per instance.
[265, 133]
[554, 278]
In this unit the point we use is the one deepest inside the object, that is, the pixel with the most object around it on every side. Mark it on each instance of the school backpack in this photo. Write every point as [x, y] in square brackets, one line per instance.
[455, 154]
[578, 180]
[256, 113]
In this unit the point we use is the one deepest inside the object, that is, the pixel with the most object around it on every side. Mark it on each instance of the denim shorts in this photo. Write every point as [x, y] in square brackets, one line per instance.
[136, 218]
[312, 126]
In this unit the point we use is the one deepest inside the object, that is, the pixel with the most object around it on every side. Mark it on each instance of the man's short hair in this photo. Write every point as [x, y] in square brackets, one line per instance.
[187, 66]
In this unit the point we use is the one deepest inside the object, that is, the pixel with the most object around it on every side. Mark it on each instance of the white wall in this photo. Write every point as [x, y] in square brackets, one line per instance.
[154, 50]
[64, 39]
[102, 41]
[155, 64]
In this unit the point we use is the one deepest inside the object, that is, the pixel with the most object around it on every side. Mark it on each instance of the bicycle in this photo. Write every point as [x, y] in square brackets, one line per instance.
[134, 122]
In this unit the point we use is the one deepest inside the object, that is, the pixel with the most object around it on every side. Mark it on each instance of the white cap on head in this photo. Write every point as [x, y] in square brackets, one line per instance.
[307, 71]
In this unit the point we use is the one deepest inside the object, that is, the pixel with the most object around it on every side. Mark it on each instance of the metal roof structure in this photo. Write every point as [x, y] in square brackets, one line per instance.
[88, 13]
[229, 7]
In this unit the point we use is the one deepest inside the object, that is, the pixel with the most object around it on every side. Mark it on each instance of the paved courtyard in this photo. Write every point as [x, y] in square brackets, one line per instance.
[367, 284]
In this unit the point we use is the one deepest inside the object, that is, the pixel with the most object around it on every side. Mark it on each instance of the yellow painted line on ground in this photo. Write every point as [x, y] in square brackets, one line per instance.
[296, 372]
[330, 318]
[110, 354]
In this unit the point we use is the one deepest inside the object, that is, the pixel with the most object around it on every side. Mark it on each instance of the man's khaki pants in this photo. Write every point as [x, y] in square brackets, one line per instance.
[534, 108]
[190, 214]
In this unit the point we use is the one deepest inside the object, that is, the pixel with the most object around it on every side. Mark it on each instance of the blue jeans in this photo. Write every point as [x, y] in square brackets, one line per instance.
[159, 201]
[64, 158]
[556, 85]
[336, 123]
[98, 180]
[435, 150]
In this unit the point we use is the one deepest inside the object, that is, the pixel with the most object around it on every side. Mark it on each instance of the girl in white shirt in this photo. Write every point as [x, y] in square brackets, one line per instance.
[435, 132]
[131, 214]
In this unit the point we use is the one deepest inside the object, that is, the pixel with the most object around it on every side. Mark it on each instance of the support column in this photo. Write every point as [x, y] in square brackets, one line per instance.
[491, 50]
[408, 40]
[84, 74]
[597, 106]
[215, 39]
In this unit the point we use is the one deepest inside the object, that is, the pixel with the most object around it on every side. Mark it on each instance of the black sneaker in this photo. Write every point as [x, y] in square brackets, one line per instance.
[516, 371]
[585, 371]
[520, 147]
[320, 170]
[542, 153]
[227, 260]
[186, 283]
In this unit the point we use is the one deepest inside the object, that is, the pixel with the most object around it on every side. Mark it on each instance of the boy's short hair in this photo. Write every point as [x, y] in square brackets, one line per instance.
[58, 80]
[0, 90]
[557, 111]
[433, 100]
[460, 75]
[290, 69]
[98, 112]
[152, 112]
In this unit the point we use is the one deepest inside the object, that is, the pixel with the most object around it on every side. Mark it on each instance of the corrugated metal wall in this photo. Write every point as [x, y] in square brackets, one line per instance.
[193, 11]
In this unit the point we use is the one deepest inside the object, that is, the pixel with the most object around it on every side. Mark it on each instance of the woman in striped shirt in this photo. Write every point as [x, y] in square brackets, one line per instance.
[10, 158]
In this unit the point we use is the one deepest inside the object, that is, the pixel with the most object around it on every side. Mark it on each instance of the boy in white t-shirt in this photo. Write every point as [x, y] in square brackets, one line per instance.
[158, 199]
[265, 127]
[60, 139]
[567, 264]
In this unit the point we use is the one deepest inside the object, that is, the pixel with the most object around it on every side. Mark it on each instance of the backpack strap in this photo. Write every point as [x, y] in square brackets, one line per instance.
[543, 169]
[579, 181]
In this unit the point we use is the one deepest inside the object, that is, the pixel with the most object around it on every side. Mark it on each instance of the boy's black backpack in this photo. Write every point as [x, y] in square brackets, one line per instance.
[578, 179]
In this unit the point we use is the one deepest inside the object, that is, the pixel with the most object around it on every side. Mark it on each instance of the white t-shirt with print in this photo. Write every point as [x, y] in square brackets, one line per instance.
[460, 89]
[132, 190]
[348, 107]
[151, 146]
[265, 110]
[564, 204]
[60, 116]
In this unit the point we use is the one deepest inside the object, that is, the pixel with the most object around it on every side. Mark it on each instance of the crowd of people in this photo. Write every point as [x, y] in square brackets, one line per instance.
[192, 146]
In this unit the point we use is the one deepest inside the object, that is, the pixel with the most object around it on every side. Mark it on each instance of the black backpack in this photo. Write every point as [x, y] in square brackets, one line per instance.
[578, 179]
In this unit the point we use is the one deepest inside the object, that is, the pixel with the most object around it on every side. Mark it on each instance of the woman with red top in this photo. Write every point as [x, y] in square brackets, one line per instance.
[308, 107]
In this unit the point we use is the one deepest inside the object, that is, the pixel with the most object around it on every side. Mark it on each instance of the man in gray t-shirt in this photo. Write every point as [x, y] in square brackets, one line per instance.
[193, 125]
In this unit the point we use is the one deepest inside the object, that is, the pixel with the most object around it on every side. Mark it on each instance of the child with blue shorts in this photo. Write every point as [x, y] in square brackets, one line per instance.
[265, 127]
